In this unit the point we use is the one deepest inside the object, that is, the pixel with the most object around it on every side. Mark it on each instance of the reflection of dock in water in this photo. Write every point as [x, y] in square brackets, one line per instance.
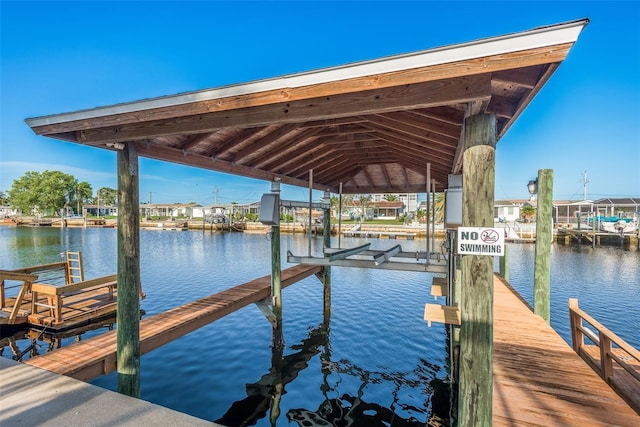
[53, 339]
[344, 410]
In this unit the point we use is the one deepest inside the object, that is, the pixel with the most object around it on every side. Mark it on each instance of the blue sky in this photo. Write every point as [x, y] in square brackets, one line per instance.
[64, 56]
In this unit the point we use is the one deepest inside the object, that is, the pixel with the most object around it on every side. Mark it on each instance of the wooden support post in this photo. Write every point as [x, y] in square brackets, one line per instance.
[276, 276]
[593, 230]
[326, 271]
[544, 233]
[476, 332]
[128, 317]
[340, 217]
[504, 264]
[427, 214]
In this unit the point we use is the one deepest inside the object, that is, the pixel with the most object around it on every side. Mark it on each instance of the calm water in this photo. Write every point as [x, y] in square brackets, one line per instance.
[376, 357]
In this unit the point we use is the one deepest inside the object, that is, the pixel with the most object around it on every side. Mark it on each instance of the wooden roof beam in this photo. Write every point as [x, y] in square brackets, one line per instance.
[218, 150]
[307, 138]
[522, 77]
[413, 130]
[387, 178]
[502, 106]
[194, 140]
[283, 138]
[290, 156]
[419, 95]
[446, 115]
[426, 123]
[420, 151]
[318, 161]
[197, 160]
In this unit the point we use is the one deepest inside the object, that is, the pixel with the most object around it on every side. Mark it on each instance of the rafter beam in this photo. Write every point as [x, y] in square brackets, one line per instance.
[420, 95]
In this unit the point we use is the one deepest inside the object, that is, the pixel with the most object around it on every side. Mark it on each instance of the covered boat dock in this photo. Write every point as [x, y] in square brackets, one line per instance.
[406, 123]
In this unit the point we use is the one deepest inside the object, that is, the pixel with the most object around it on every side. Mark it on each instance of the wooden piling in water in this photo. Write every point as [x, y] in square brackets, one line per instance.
[544, 238]
[129, 286]
[276, 278]
[504, 264]
[326, 272]
[476, 330]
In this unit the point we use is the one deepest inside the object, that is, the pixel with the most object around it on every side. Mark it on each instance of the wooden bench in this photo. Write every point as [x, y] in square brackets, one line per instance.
[79, 291]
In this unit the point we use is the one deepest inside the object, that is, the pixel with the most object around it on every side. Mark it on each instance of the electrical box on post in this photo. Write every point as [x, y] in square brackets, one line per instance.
[453, 202]
[269, 209]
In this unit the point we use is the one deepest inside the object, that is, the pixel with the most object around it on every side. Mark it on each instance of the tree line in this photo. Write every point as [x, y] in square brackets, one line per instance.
[52, 192]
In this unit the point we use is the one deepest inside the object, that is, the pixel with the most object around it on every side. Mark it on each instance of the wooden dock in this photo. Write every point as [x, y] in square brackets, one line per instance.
[538, 380]
[96, 356]
[75, 303]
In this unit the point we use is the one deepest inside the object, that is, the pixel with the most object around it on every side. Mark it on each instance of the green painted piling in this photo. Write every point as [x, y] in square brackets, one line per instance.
[504, 264]
[544, 236]
[326, 272]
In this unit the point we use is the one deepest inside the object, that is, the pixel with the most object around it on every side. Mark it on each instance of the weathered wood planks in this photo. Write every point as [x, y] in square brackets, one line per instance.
[538, 380]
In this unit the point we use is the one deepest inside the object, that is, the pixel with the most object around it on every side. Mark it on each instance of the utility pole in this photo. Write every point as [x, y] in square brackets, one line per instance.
[584, 185]
[216, 192]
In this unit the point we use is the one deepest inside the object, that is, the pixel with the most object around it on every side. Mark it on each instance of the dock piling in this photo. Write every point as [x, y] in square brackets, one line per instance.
[476, 331]
[129, 286]
[544, 237]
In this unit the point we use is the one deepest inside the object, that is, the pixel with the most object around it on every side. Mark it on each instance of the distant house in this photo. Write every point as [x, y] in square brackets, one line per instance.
[627, 207]
[7, 211]
[173, 210]
[568, 211]
[102, 210]
[409, 200]
[507, 210]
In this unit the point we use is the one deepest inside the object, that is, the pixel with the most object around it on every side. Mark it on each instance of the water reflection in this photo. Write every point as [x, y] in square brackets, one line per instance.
[24, 343]
[338, 408]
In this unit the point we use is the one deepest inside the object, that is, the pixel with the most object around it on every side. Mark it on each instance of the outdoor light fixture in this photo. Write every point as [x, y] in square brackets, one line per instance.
[532, 186]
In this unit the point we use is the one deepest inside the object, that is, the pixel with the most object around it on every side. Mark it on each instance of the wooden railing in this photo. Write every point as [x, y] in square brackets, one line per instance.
[617, 362]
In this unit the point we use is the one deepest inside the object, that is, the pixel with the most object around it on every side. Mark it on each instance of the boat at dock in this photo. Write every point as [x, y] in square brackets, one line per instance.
[614, 224]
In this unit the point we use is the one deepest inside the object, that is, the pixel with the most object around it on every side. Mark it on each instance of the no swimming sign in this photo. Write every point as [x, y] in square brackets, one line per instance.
[480, 241]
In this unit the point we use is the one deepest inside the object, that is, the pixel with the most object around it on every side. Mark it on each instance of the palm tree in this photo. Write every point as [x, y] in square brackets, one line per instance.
[527, 212]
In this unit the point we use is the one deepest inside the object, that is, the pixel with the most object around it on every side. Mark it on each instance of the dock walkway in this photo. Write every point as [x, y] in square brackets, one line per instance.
[35, 397]
[96, 356]
[538, 380]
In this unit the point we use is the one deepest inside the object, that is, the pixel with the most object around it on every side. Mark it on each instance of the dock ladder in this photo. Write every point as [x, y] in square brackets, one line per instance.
[74, 271]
